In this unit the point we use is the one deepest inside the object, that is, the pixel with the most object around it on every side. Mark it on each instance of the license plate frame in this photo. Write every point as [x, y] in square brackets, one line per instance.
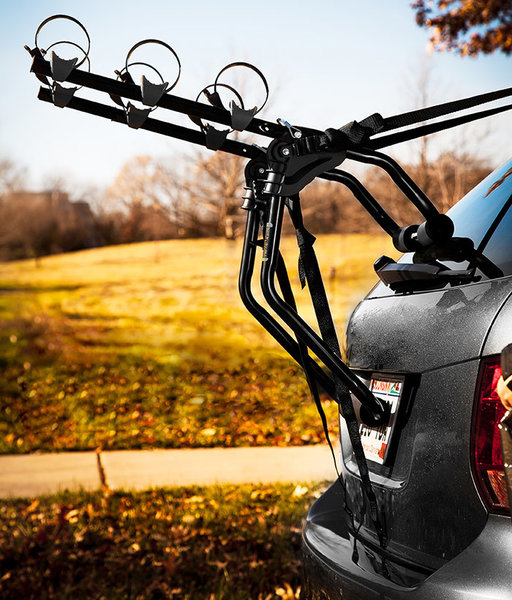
[376, 441]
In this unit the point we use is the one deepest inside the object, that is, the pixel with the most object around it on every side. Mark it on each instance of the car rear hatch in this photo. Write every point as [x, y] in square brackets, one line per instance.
[422, 351]
[431, 344]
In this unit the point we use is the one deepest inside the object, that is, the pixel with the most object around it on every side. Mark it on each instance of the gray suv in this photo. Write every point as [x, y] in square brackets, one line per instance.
[432, 353]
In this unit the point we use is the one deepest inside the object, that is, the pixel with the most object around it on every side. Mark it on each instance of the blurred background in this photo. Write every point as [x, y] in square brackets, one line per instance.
[121, 326]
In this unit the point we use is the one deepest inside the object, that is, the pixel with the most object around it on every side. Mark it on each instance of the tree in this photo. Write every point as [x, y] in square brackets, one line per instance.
[329, 207]
[469, 27]
[143, 200]
[201, 198]
[213, 191]
[11, 177]
[34, 224]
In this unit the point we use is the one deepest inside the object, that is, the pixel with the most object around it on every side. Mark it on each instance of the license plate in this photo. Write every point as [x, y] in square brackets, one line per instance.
[376, 440]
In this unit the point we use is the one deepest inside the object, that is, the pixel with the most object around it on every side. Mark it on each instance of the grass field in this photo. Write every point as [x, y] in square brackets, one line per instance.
[148, 345]
[227, 543]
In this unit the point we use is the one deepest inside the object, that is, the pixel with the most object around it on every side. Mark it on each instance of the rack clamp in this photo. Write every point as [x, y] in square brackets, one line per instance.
[255, 173]
[299, 159]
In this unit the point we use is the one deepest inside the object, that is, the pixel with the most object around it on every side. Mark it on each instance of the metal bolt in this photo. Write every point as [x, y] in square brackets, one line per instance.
[286, 151]
[261, 170]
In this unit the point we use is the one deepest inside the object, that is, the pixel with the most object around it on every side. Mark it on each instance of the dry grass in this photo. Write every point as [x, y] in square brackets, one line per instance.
[149, 345]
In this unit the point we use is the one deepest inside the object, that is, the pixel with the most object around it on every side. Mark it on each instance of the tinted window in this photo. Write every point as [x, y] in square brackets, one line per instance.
[475, 213]
[499, 248]
[481, 216]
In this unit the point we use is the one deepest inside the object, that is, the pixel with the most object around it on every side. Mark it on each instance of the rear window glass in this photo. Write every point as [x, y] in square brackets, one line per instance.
[476, 212]
[499, 248]
[481, 216]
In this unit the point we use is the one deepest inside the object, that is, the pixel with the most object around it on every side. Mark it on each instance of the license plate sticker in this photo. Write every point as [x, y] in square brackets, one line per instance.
[376, 440]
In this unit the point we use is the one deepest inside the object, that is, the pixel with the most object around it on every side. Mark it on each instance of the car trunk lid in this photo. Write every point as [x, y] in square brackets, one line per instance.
[431, 342]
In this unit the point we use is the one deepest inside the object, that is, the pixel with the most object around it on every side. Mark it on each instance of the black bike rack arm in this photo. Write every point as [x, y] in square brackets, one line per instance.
[40, 66]
[260, 314]
[399, 176]
[375, 408]
[155, 125]
[369, 203]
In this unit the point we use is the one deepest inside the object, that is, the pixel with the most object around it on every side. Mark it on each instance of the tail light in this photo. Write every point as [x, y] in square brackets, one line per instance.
[487, 458]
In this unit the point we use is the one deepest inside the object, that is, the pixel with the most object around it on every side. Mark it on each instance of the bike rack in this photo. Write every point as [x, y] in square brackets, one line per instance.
[295, 156]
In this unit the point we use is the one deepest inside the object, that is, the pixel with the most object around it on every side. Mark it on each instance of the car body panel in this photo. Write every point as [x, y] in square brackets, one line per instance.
[441, 540]
[427, 455]
[330, 574]
[500, 333]
[411, 333]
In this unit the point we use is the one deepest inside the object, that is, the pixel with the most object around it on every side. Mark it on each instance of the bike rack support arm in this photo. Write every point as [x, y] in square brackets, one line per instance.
[154, 125]
[375, 410]
[40, 66]
[399, 176]
[260, 314]
[369, 203]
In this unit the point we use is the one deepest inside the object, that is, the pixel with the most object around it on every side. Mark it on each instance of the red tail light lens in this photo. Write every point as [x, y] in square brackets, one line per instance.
[487, 457]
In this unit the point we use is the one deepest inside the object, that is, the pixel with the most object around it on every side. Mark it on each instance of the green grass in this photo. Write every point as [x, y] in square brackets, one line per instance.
[148, 345]
[226, 542]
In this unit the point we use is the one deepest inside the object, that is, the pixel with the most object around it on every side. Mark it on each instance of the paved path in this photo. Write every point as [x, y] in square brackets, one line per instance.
[36, 474]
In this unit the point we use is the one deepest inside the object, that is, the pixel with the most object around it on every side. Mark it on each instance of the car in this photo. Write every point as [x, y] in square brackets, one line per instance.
[431, 350]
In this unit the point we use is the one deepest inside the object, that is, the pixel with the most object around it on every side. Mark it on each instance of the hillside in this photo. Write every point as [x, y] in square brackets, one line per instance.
[149, 345]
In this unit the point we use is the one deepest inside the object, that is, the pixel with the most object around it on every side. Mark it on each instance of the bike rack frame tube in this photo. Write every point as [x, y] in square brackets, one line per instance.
[399, 176]
[154, 125]
[369, 203]
[40, 66]
[260, 314]
[302, 330]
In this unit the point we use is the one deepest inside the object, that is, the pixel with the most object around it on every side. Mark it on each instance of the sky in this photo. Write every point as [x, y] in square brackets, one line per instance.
[327, 62]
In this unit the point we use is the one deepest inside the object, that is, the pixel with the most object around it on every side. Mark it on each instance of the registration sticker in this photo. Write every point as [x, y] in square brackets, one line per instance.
[376, 440]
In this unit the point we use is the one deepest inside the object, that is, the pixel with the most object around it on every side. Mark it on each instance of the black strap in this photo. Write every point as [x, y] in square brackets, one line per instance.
[289, 298]
[411, 134]
[440, 110]
[360, 134]
[328, 331]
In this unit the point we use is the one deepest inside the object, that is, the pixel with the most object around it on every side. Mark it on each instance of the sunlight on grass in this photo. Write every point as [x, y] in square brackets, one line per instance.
[90, 339]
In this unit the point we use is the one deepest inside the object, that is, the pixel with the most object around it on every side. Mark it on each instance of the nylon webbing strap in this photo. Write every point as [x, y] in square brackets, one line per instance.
[360, 133]
[328, 331]
[289, 298]
[286, 289]
[423, 130]
[440, 110]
